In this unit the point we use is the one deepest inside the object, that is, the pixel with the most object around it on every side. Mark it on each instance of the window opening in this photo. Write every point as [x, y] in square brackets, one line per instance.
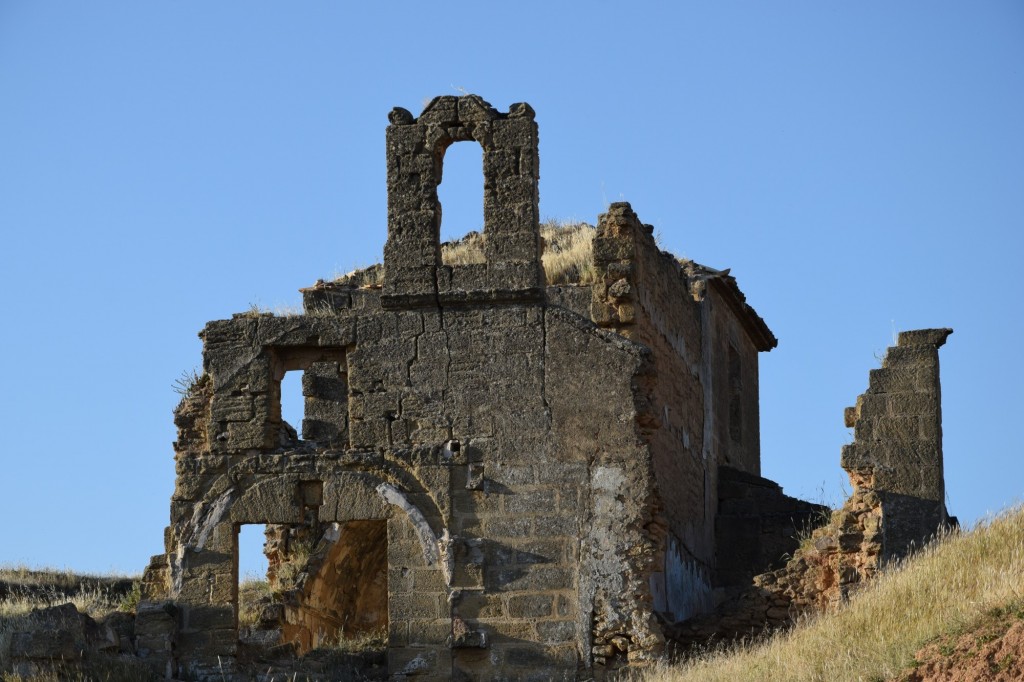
[293, 406]
[311, 397]
[461, 195]
[254, 591]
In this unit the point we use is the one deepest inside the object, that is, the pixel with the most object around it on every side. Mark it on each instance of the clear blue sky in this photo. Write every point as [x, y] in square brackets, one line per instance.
[859, 166]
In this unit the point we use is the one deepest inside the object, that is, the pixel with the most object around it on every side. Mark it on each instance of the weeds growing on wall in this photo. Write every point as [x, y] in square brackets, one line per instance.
[568, 256]
[375, 640]
[567, 251]
[184, 384]
[290, 570]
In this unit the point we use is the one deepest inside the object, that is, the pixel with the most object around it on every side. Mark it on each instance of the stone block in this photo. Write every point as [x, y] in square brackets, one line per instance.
[416, 606]
[909, 404]
[924, 337]
[542, 501]
[909, 355]
[508, 527]
[368, 433]
[400, 581]
[530, 578]
[204, 618]
[511, 475]
[231, 408]
[897, 379]
[429, 632]
[478, 604]
[530, 605]
[47, 643]
[247, 436]
[871, 406]
[562, 525]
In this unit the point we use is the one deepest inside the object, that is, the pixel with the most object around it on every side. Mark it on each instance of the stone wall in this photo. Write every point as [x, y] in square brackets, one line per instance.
[511, 169]
[700, 405]
[757, 528]
[895, 468]
[897, 450]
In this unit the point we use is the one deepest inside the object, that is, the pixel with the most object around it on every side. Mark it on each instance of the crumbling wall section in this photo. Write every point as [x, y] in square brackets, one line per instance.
[597, 449]
[895, 467]
[240, 465]
[699, 399]
[758, 527]
[897, 448]
[643, 295]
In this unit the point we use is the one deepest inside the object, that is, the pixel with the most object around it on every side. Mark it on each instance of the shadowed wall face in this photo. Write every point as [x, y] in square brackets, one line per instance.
[897, 451]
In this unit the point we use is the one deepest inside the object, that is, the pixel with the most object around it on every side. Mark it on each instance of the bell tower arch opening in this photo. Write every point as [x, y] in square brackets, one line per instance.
[460, 195]
[510, 270]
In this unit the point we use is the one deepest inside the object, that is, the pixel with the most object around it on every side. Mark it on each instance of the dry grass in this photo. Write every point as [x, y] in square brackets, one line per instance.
[371, 277]
[253, 595]
[466, 251]
[567, 256]
[947, 587]
[23, 589]
[374, 640]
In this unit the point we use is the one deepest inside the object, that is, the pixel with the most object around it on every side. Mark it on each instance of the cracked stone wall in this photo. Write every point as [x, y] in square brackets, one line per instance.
[700, 399]
[536, 468]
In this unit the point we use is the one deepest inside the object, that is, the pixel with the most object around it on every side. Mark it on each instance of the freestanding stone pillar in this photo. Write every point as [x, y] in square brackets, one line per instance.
[897, 451]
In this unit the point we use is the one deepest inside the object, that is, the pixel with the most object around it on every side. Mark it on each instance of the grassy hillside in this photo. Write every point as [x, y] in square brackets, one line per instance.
[23, 589]
[106, 599]
[952, 588]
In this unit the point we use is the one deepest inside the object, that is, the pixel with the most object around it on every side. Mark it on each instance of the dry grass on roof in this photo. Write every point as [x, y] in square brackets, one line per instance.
[567, 255]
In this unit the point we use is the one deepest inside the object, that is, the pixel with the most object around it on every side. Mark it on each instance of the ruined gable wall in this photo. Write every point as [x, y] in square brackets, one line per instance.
[534, 493]
[895, 467]
[516, 453]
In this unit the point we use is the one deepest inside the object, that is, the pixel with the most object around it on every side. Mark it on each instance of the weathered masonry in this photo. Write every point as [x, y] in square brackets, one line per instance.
[508, 479]
[897, 504]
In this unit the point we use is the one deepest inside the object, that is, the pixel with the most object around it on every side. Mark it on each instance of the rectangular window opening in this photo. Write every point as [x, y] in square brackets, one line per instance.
[293, 406]
[254, 593]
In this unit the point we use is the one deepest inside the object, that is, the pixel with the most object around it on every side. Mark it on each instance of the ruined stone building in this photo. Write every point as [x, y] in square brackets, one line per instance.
[510, 479]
